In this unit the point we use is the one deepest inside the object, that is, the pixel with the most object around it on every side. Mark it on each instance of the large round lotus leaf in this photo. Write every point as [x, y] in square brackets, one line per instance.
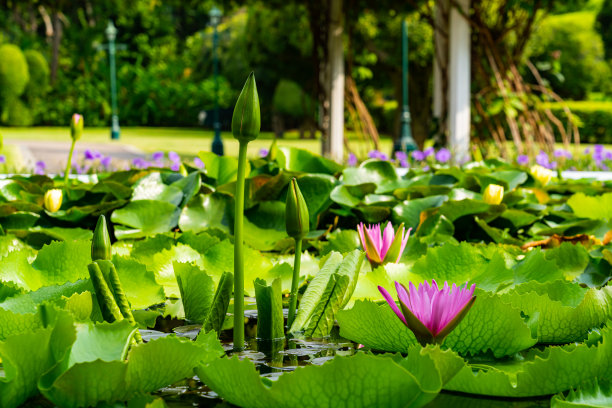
[145, 217]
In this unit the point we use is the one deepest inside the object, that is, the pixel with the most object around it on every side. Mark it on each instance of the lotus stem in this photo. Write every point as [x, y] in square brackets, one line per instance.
[69, 164]
[294, 282]
[238, 250]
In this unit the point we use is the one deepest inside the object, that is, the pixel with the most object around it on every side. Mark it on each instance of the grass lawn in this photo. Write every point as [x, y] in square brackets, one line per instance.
[185, 141]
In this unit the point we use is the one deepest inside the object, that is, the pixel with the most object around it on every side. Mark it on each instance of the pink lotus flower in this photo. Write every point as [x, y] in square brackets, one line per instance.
[385, 247]
[431, 313]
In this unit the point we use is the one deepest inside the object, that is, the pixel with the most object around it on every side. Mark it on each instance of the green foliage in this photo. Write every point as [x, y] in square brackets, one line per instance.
[14, 74]
[582, 64]
[38, 68]
[291, 100]
[359, 381]
[594, 119]
[604, 27]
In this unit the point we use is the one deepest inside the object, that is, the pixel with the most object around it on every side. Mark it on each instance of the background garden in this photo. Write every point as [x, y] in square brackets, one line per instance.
[152, 272]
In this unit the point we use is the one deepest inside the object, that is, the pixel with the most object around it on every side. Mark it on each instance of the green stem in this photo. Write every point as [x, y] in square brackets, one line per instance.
[238, 251]
[69, 164]
[294, 282]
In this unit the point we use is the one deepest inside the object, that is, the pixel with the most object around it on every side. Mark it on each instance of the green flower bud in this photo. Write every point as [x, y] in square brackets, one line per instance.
[246, 120]
[100, 243]
[296, 212]
[76, 126]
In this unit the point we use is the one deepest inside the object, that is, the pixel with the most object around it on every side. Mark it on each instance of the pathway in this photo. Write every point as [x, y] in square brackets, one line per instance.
[54, 153]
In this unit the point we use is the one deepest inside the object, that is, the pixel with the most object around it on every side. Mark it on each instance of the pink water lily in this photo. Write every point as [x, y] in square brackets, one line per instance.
[384, 247]
[431, 313]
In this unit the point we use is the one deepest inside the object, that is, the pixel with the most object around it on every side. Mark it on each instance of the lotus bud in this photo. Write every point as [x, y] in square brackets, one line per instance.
[53, 200]
[493, 194]
[246, 120]
[273, 152]
[542, 174]
[296, 212]
[100, 243]
[76, 126]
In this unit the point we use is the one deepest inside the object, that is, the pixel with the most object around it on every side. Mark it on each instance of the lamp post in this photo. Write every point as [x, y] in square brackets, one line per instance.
[111, 35]
[406, 142]
[215, 18]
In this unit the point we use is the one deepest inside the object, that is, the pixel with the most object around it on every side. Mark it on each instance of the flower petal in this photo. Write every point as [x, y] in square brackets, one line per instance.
[392, 303]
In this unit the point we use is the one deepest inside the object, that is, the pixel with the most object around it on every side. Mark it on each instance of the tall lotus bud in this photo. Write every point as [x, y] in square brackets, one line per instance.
[100, 243]
[76, 126]
[53, 200]
[246, 120]
[542, 174]
[296, 212]
[493, 194]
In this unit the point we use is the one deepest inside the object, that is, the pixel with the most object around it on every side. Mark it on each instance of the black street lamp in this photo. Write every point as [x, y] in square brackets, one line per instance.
[215, 19]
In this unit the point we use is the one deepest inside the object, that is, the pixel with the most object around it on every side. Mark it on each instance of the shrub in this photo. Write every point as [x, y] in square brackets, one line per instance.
[39, 74]
[583, 66]
[18, 114]
[594, 119]
[604, 26]
[291, 100]
[14, 74]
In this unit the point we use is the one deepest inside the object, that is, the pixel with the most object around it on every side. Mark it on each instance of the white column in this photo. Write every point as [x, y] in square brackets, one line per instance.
[459, 83]
[336, 60]
[440, 57]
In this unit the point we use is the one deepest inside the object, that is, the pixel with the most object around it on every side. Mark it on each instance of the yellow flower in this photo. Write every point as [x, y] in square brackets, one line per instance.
[493, 194]
[53, 200]
[542, 174]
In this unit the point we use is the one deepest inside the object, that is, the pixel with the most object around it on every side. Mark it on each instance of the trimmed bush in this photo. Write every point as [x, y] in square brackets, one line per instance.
[595, 119]
[14, 74]
[604, 26]
[39, 74]
[18, 114]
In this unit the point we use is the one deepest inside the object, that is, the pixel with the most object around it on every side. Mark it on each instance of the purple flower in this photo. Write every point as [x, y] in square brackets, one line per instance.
[88, 154]
[418, 155]
[522, 160]
[443, 155]
[374, 154]
[158, 156]
[404, 163]
[198, 163]
[106, 161]
[542, 159]
[352, 160]
[608, 155]
[400, 155]
[2, 158]
[587, 150]
[39, 167]
[562, 153]
[429, 151]
[174, 157]
[598, 148]
[175, 166]
[383, 156]
[431, 313]
[263, 152]
[140, 163]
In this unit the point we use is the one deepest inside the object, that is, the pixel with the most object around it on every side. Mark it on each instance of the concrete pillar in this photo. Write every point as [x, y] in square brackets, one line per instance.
[459, 94]
[336, 61]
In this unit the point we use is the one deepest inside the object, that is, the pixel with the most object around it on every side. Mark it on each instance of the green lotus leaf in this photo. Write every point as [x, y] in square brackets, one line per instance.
[144, 218]
[591, 394]
[204, 211]
[139, 284]
[539, 371]
[151, 187]
[148, 367]
[595, 207]
[565, 312]
[358, 381]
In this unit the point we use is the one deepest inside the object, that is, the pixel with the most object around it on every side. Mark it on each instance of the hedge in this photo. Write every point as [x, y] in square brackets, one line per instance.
[594, 119]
